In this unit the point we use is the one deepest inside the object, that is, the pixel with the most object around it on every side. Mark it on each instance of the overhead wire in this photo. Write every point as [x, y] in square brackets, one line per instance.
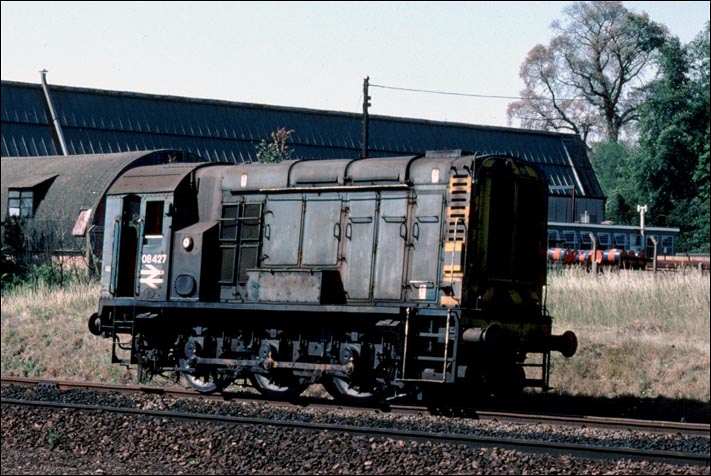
[486, 96]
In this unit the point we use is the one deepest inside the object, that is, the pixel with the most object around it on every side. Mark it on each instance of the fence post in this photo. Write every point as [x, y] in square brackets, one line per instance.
[593, 258]
[654, 257]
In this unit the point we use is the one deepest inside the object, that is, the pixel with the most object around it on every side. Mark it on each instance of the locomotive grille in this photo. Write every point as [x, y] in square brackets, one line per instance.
[459, 195]
[460, 187]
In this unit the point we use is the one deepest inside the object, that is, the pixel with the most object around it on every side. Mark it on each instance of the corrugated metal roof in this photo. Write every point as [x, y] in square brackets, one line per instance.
[80, 182]
[25, 130]
[98, 121]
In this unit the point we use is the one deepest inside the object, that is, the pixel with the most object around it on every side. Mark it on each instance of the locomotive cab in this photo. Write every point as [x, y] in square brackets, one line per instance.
[143, 207]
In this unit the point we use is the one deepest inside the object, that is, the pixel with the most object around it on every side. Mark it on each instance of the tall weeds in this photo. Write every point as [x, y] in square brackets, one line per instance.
[44, 333]
[639, 334]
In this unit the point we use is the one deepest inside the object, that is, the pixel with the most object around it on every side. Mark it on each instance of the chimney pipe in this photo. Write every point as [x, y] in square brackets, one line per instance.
[55, 121]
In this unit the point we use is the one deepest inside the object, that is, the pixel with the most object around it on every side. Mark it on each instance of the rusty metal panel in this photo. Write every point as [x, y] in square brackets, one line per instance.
[282, 230]
[379, 170]
[293, 286]
[359, 234]
[430, 171]
[318, 173]
[322, 230]
[390, 251]
[425, 237]
[250, 177]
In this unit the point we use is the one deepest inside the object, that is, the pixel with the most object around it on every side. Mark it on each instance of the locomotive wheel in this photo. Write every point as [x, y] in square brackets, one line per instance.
[202, 379]
[278, 387]
[362, 386]
[344, 390]
[206, 383]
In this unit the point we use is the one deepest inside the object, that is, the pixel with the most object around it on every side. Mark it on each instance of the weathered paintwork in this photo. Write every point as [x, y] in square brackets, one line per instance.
[420, 269]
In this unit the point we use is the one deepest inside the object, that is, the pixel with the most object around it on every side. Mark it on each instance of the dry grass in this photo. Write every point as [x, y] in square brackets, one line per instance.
[638, 334]
[44, 333]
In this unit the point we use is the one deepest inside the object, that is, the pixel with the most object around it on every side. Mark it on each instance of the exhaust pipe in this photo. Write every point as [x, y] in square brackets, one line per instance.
[55, 120]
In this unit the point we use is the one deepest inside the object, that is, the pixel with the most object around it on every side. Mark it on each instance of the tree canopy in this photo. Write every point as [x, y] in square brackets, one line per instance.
[588, 79]
[639, 98]
[667, 167]
[672, 161]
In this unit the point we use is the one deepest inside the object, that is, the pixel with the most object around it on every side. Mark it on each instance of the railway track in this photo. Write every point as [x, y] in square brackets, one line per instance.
[535, 446]
[574, 450]
[537, 418]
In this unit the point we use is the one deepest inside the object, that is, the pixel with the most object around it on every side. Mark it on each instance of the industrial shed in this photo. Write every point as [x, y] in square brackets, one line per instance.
[59, 200]
[94, 121]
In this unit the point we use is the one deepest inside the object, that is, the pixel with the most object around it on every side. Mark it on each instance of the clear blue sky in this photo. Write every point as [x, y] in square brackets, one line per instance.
[302, 54]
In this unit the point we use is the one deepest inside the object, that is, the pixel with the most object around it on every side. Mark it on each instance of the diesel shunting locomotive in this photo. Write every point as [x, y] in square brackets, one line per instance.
[375, 277]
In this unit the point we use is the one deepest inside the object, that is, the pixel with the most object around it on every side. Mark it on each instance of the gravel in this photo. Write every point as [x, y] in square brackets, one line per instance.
[64, 441]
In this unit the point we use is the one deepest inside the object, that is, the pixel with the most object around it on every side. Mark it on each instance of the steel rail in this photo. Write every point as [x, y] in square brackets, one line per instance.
[579, 421]
[535, 446]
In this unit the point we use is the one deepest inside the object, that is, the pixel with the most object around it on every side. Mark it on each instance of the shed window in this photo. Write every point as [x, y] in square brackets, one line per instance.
[603, 239]
[621, 240]
[20, 202]
[570, 238]
[667, 245]
[585, 240]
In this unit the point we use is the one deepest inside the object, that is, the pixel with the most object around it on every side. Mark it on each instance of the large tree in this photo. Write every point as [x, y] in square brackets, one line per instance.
[588, 79]
[671, 169]
[700, 73]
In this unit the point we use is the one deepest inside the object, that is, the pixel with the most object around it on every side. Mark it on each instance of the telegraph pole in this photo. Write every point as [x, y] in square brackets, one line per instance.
[366, 104]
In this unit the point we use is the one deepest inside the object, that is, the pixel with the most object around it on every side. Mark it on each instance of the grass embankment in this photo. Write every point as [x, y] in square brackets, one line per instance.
[638, 334]
[45, 334]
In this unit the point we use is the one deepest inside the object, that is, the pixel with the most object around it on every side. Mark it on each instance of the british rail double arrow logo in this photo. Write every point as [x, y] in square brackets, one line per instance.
[153, 279]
